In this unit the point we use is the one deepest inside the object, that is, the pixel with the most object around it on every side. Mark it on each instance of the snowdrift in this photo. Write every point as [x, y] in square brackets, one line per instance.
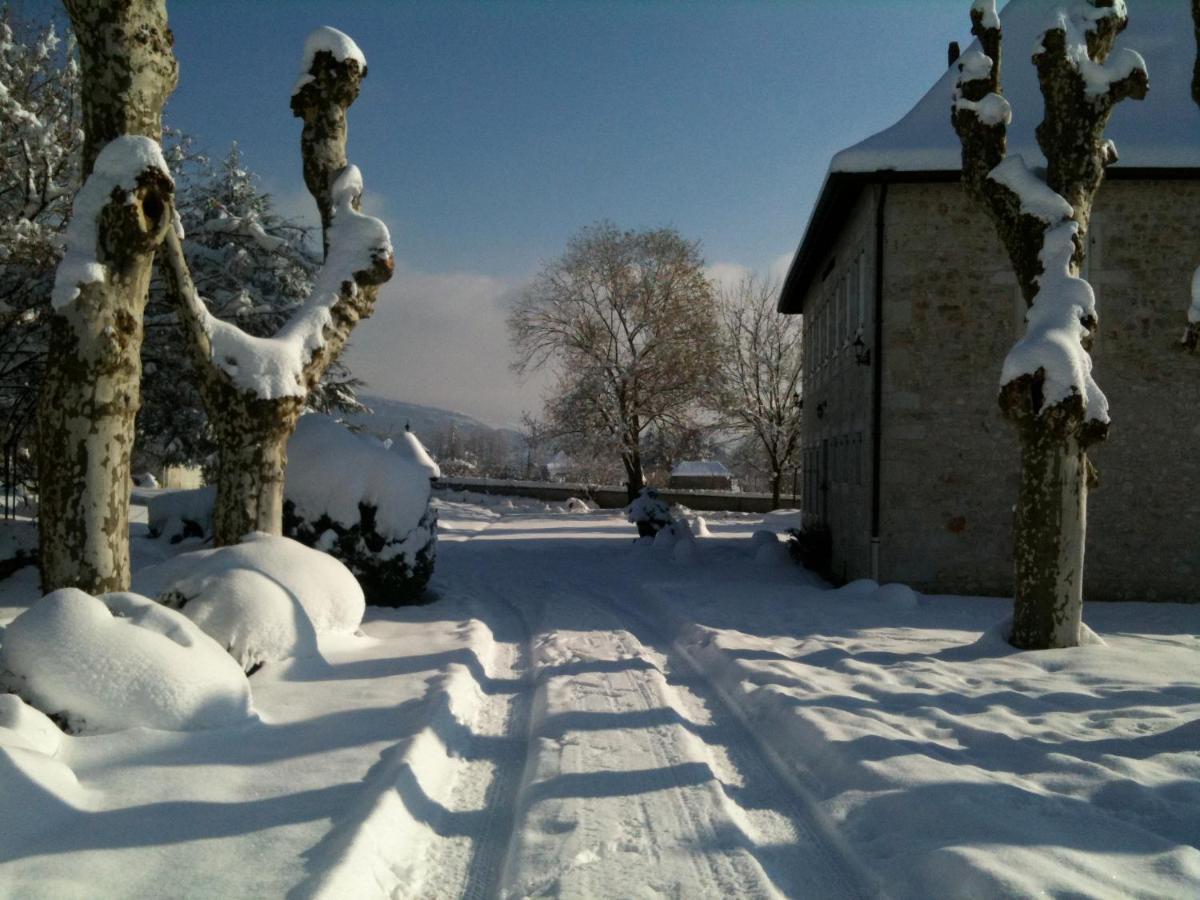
[119, 661]
[267, 598]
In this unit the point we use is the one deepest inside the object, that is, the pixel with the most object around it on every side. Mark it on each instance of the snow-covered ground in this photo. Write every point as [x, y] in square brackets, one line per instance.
[576, 715]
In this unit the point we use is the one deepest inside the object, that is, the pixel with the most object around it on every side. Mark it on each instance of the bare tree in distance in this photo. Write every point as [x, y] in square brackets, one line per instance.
[627, 322]
[1047, 389]
[759, 373]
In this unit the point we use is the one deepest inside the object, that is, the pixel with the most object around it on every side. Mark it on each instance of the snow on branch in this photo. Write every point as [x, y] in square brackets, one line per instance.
[337, 44]
[1033, 195]
[360, 255]
[1058, 322]
[122, 167]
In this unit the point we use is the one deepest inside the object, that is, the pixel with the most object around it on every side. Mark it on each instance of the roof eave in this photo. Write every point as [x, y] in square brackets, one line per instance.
[841, 189]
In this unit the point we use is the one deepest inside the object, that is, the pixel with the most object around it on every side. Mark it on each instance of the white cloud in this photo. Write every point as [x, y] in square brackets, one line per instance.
[439, 339]
[727, 274]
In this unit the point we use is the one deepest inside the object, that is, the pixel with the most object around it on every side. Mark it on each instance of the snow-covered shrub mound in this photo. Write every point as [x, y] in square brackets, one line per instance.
[176, 515]
[267, 598]
[575, 505]
[410, 447]
[353, 498]
[23, 726]
[648, 512]
[700, 527]
[771, 550]
[119, 661]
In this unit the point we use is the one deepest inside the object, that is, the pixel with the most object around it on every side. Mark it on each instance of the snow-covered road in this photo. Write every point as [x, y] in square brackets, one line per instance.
[577, 715]
[638, 776]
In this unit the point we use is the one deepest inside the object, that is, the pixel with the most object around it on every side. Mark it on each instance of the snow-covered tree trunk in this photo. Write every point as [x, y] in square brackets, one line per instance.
[254, 389]
[90, 395]
[1046, 385]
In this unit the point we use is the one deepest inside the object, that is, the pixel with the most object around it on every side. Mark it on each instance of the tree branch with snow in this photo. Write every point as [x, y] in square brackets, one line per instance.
[255, 387]
[1046, 384]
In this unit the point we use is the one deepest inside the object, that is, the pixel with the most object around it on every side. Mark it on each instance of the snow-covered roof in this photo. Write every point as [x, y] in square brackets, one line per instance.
[1160, 132]
[700, 468]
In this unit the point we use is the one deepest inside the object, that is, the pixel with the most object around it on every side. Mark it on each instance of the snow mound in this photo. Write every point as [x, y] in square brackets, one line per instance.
[120, 661]
[900, 596]
[176, 515]
[763, 538]
[267, 598]
[771, 553]
[700, 527]
[575, 505]
[410, 447]
[331, 471]
[23, 726]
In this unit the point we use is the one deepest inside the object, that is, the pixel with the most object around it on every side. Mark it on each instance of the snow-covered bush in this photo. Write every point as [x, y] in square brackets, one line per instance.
[811, 547]
[176, 515]
[265, 599]
[119, 661]
[575, 505]
[700, 527]
[350, 496]
[409, 446]
[649, 513]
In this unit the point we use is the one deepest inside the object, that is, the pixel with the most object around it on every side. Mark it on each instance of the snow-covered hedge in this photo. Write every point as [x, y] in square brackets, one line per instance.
[265, 599]
[370, 507]
[119, 661]
[176, 515]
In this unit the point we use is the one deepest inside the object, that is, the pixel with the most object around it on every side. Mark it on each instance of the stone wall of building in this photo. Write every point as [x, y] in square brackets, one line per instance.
[837, 393]
[949, 469]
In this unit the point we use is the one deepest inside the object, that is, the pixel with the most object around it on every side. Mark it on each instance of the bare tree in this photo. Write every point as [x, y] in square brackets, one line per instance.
[627, 320]
[254, 389]
[1047, 389]
[90, 394]
[758, 374]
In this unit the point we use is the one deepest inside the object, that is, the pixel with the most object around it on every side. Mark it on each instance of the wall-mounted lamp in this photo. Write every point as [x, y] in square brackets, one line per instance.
[862, 353]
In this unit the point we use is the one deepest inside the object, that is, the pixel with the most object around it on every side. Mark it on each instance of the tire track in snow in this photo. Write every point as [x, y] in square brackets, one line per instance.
[829, 867]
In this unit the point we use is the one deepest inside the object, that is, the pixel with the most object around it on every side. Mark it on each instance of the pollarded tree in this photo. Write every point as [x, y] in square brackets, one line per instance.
[627, 321]
[759, 369]
[255, 388]
[1047, 389]
[252, 267]
[90, 394]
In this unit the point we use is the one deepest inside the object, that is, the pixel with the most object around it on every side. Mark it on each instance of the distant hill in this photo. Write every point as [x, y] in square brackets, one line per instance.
[426, 422]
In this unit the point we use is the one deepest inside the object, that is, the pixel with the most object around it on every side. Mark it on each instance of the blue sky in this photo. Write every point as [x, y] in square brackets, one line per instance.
[489, 132]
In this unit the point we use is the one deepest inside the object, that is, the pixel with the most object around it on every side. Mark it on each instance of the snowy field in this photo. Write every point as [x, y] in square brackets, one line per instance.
[579, 716]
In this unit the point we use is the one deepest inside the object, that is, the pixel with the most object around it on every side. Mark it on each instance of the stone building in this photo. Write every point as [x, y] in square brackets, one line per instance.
[910, 307]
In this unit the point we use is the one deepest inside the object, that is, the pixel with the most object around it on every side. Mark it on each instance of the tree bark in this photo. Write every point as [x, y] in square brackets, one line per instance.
[252, 431]
[1051, 521]
[91, 393]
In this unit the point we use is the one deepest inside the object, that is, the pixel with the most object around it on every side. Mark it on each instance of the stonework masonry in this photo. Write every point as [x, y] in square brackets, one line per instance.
[949, 460]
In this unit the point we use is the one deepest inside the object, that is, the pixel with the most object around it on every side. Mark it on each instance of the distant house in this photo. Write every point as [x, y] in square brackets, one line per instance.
[910, 307]
[701, 475]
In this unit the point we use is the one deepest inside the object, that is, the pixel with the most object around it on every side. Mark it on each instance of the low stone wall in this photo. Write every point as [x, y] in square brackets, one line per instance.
[610, 496]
